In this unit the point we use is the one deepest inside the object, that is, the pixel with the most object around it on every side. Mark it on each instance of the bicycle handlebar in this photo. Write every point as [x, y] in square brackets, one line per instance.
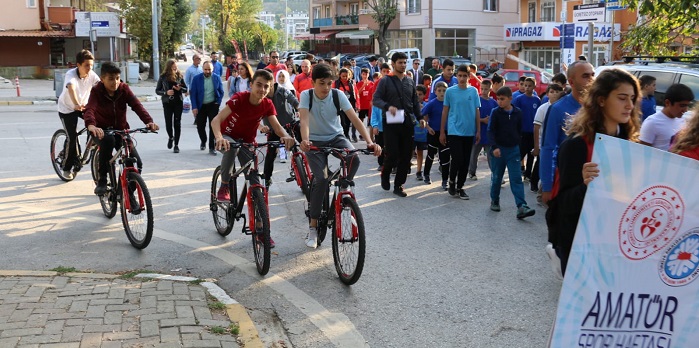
[128, 131]
[235, 144]
[328, 150]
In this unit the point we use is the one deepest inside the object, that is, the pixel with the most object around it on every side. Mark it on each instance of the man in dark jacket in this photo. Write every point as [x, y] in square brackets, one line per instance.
[206, 93]
[396, 96]
[106, 109]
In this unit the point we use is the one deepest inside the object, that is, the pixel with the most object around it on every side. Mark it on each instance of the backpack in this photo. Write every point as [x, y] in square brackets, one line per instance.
[336, 101]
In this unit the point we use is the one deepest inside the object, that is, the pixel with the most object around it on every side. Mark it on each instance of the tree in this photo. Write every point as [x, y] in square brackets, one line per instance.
[662, 23]
[385, 11]
[227, 15]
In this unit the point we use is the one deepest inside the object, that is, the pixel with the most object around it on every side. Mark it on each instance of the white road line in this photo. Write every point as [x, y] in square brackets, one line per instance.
[337, 327]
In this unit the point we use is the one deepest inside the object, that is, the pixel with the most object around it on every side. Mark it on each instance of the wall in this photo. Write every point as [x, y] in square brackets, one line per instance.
[24, 50]
[15, 15]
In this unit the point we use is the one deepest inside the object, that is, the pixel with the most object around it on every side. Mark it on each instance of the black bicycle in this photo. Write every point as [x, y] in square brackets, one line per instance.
[343, 217]
[227, 212]
[126, 186]
[59, 153]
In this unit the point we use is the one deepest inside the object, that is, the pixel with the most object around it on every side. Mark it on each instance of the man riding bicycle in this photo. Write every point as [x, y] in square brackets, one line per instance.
[320, 126]
[71, 103]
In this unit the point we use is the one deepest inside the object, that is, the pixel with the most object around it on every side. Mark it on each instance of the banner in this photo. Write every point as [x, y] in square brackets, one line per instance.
[235, 45]
[631, 276]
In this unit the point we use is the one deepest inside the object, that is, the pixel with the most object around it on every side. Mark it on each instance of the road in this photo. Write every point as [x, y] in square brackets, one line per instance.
[440, 272]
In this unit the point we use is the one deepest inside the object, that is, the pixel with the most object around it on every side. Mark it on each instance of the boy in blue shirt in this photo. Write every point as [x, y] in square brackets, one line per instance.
[487, 105]
[461, 113]
[520, 87]
[447, 76]
[505, 131]
[420, 133]
[528, 103]
[648, 102]
[432, 114]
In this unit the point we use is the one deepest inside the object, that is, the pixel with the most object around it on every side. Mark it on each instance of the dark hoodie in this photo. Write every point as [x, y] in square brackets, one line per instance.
[108, 112]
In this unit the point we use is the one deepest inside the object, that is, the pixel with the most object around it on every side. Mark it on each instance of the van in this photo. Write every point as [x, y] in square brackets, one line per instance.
[512, 76]
[412, 53]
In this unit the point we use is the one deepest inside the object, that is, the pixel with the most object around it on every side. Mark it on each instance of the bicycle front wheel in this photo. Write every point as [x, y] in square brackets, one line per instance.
[94, 164]
[302, 176]
[261, 243]
[348, 242]
[137, 211]
[108, 200]
[59, 155]
[221, 210]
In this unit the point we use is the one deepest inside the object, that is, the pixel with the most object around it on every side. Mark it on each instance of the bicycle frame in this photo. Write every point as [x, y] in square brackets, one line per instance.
[290, 127]
[122, 163]
[90, 145]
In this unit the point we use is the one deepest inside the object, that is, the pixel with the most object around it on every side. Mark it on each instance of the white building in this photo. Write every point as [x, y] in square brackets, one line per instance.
[296, 22]
[266, 18]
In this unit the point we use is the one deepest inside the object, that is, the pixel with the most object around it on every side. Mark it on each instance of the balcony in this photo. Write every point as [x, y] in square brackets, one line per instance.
[323, 22]
[347, 20]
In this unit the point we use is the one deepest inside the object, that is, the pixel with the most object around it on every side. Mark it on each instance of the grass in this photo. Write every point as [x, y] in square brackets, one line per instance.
[63, 270]
[197, 282]
[232, 329]
[131, 274]
[217, 305]
[218, 330]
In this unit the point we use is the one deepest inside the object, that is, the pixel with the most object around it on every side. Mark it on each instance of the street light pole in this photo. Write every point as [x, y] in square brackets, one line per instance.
[286, 22]
[156, 52]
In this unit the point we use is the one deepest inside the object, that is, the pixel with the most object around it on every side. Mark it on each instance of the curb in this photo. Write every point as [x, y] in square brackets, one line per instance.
[248, 335]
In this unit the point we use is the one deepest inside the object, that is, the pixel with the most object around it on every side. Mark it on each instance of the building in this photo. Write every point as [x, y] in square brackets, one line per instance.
[436, 27]
[536, 37]
[48, 33]
[266, 18]
[296, 22]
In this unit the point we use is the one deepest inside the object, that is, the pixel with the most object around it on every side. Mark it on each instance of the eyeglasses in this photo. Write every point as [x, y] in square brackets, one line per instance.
[275, 57]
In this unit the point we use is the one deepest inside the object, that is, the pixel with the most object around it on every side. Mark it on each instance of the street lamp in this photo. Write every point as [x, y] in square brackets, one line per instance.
[204, 22]
[286, 23]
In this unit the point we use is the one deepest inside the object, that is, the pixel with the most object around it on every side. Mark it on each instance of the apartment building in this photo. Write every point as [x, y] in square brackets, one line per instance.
[267, 18]
[48, 33]
[470, 28]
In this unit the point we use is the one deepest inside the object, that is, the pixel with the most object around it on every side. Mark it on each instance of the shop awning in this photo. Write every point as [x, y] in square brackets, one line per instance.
[36, 33]
[355, 34]
[321, 36]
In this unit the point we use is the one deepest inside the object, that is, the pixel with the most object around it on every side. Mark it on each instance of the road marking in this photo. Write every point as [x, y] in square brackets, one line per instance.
[337, 327]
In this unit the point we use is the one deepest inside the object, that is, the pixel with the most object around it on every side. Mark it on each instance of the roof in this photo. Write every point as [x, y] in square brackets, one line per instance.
[36, 33]
[321, 36]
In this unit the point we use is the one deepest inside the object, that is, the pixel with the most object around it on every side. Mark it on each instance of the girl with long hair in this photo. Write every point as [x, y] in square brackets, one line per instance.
[687, 140]
[241, 82]
[611, 107]
[291, 69]
[171, 87]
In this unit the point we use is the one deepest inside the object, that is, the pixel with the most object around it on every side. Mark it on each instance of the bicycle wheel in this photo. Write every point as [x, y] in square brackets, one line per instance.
[327, 216]
[302, 176]
[222, 211]
[59, 146]
[261, 244]
[94, 164]
[138, 217]
[348, 243]
[108, 200]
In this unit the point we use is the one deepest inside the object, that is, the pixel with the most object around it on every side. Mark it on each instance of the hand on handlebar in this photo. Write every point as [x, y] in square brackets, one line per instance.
[376, 148]
[264, 129]
[152, 127]
[96, 132]
[306, 145]
[222, 144]
[288, 142]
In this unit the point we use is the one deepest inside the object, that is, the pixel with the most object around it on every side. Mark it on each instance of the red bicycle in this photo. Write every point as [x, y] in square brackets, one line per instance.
[300, 171]
[344, 218]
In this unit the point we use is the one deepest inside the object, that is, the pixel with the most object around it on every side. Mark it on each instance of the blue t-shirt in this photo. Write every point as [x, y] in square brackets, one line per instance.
[487, 107]
[553, 134]
[516, 94]
[462, 103]
[647, 106]
[451, 82]
[323, 121]
[528, 105]
[433, 110]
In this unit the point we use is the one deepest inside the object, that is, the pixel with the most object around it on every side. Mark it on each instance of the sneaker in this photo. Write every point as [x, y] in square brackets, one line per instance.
[354, 139]
[312, 238]
[473, 177]
[398, 191]
[68, 174]
[268, 183]
[101, 188]
[524, 211]
[135, 205]
[212, 152]
[462, 194]
[495, 206]
[282, 160]
[224, 194]
[418, 176]
[427, 180]
[452, 189]
[385, 181]
[444, 185]
[202, 146]
[177, 149]
[555, 261]
[380, 168]
[169, 143]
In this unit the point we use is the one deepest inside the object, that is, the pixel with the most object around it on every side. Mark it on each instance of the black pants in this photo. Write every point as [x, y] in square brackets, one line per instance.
[70, 123]
[526, 145]
[271, 155]
[173, 118]
[346, 124]
[378, 138]
[460, 158]
[534, 179]
[207, 112]
[399, 151]
[434, 146]
[107, 145]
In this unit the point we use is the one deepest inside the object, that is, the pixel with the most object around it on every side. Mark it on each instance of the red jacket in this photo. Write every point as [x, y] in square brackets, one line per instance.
[302, 82]
[104, 111]
[691, 153]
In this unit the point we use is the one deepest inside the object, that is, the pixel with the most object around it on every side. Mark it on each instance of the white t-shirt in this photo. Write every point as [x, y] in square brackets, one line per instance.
[658, 130]
[82, 90]
[540, 117]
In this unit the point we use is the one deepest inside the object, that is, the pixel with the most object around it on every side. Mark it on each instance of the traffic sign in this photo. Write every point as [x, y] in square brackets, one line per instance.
[616, 6]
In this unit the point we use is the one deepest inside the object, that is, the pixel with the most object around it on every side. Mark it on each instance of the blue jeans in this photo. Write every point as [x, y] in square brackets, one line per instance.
[510, 159]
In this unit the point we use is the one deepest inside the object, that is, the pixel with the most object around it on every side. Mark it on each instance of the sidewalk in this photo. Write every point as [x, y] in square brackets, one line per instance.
[41, 92]
[48, 309]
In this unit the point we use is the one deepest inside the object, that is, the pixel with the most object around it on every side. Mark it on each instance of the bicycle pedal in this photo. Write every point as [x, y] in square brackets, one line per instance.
[290, 179]
[247, 231]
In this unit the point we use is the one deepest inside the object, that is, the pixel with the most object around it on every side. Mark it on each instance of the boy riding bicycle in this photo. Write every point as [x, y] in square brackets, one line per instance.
[106, 110]
[321, 126]
[239, 120]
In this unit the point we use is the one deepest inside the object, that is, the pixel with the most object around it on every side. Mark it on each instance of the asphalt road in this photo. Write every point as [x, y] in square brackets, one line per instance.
[440, 272]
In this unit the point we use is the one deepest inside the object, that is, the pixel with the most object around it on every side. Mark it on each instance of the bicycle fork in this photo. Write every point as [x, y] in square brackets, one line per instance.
[339, 208]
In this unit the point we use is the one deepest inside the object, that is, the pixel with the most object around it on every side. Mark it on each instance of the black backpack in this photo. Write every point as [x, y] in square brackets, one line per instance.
[336, 101]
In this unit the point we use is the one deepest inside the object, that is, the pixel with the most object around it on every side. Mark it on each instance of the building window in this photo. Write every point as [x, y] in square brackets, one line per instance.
[454, 42]
[405, 38]
[531, 12]
[490, 5]
[316, 12]
[327, 11]
[548, 58]
[354, 8]
[548, 11]
[412, 7]
[31, 3]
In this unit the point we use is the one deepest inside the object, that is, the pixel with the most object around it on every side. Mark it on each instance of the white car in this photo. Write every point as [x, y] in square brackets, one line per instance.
[290, 53]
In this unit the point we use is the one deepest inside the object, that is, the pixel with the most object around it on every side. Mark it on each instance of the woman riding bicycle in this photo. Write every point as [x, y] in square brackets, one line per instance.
[71, 104]
[321, 126]
[107, 110]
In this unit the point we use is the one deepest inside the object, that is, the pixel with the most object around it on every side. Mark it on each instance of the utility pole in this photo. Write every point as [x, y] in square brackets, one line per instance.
[204, 22]
[286, 23]
[156, 52]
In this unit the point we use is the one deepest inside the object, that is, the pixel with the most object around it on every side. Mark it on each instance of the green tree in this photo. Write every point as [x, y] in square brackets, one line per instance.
[227, 15]
[385, 11]
[661, 23]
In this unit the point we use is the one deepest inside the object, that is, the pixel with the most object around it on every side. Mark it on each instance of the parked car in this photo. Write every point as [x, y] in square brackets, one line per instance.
[179, 55]
[142, 66]
[285, 54]
[512, 79]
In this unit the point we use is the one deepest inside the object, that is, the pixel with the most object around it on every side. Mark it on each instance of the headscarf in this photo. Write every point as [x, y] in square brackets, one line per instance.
[287, 80]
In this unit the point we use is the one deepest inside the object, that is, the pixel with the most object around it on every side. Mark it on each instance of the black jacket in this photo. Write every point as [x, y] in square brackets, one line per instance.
[399, 93]
[285, 103]
[165, 85]
[505, 129]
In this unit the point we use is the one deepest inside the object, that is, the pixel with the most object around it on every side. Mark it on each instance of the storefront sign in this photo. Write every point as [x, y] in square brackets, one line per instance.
[589, 13]
[551, 31]
[107, 24]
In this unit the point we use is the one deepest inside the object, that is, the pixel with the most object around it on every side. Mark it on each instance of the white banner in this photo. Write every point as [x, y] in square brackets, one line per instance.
[631, 276]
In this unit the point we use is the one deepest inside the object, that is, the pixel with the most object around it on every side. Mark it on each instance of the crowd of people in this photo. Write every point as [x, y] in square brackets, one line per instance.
[447, 113]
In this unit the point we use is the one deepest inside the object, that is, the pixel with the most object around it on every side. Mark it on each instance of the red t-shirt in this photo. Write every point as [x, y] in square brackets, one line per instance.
[276, 68]
[691, 153]
[244, 119]
[365, 95]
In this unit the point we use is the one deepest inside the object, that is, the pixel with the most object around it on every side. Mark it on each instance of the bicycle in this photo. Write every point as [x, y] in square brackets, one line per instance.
[59, 149]
[124, 180]
[348, 243]
[226, 213]
[300, 171]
